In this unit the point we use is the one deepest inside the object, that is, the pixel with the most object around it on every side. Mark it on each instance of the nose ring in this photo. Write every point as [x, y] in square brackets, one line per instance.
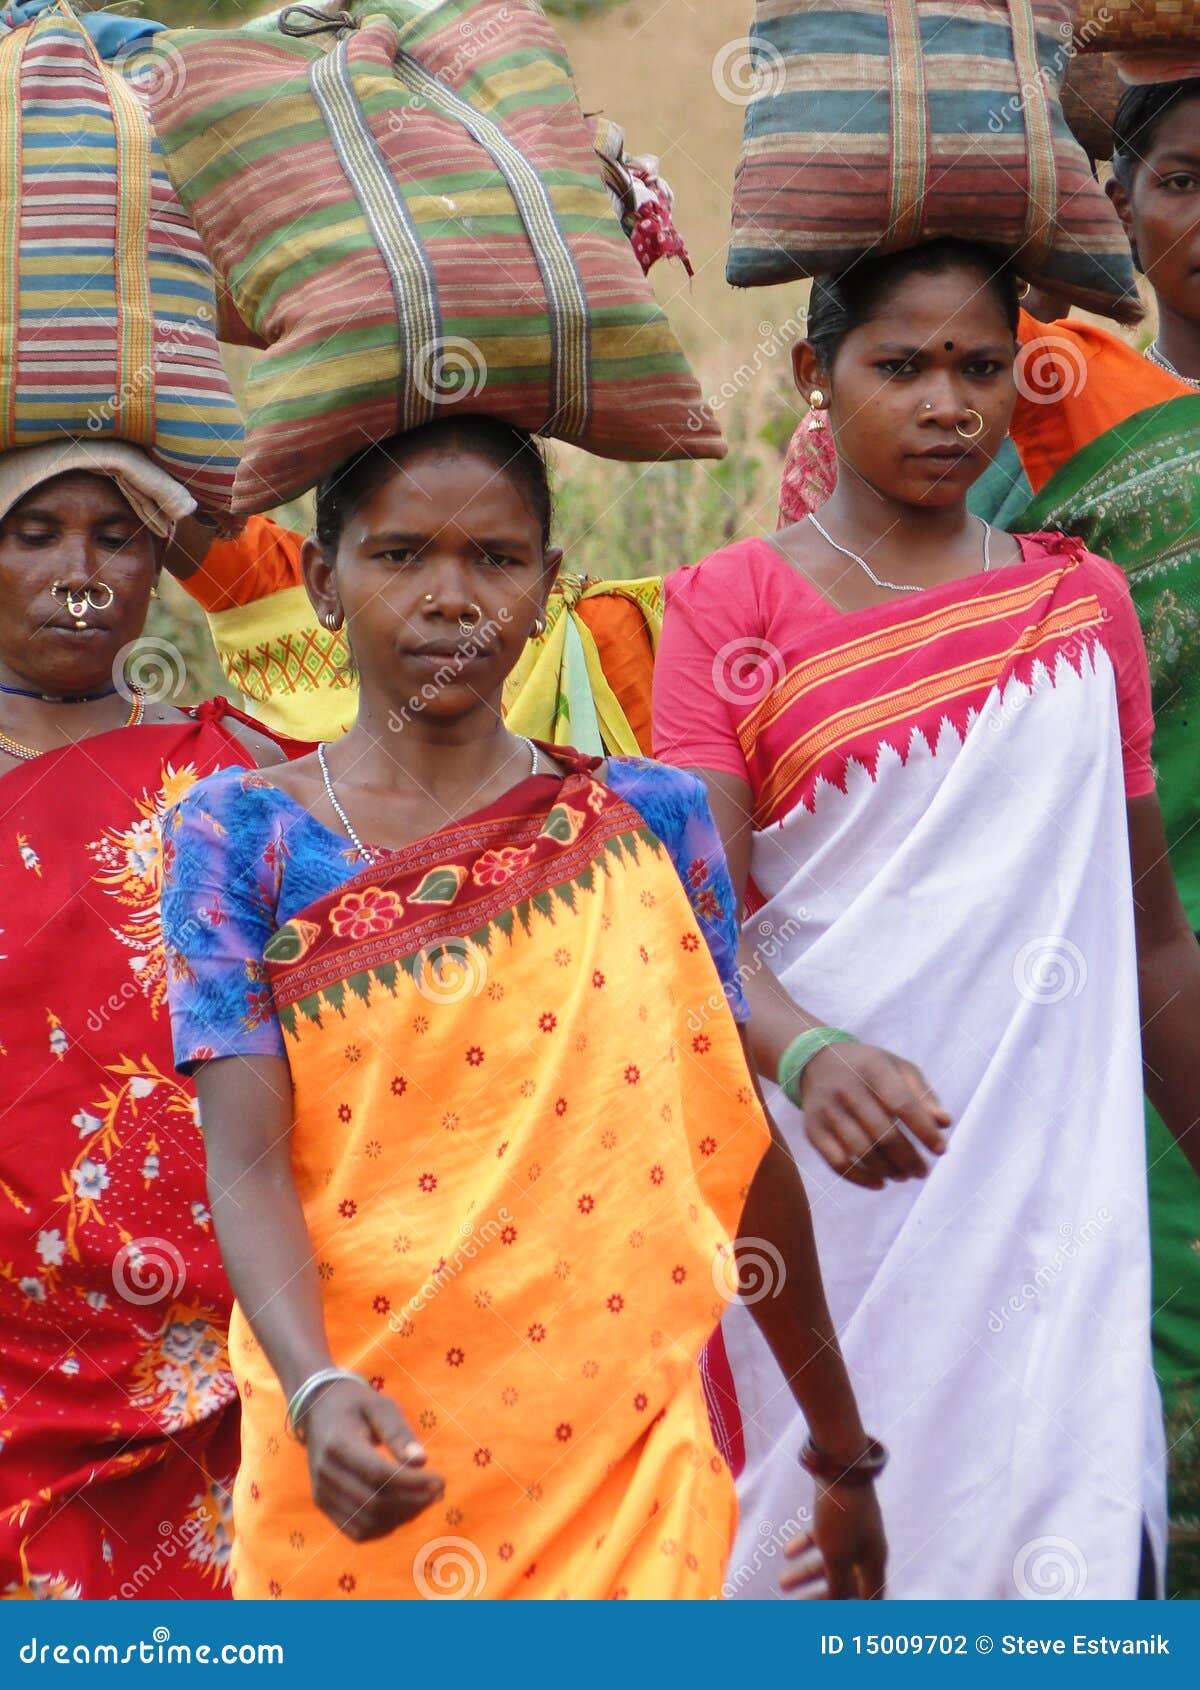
[970, 433]
[80, 600]
[467, 623]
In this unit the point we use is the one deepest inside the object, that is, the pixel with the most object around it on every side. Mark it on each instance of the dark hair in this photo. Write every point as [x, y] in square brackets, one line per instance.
[841, 303]
[1139, 113]
[513, 451]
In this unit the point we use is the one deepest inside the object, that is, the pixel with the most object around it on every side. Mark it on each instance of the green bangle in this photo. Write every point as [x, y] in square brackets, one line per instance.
[800, 1053]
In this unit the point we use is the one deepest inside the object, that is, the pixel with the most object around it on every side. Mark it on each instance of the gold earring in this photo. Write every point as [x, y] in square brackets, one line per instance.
[330, 620]
[539, 627]
[816, 399]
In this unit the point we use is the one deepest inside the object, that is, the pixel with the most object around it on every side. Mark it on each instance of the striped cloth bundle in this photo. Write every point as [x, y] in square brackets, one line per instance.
[878, 124]
[107, 308]
[414, 221]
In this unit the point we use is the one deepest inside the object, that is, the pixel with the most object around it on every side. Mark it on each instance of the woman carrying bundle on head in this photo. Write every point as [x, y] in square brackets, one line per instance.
[479, 1125]
[927, 748]
[118, 1414]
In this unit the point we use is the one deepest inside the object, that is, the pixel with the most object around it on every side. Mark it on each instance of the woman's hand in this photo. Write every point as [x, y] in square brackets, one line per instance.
[844, 1557]
[857, 1101]
[367, 1469]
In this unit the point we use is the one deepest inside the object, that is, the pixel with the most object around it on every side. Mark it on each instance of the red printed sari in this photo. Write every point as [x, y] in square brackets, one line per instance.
[118, 1416]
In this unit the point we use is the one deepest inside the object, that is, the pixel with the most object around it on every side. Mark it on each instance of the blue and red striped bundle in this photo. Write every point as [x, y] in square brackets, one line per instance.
[107, 307]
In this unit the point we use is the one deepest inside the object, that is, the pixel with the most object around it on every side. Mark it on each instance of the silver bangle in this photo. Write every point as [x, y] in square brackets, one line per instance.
[303, 1395]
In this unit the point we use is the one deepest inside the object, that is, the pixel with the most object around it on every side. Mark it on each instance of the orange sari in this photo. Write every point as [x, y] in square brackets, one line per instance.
[522, 1167]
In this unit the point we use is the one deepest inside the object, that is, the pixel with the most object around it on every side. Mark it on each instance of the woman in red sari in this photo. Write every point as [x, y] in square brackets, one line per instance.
[118, 1417]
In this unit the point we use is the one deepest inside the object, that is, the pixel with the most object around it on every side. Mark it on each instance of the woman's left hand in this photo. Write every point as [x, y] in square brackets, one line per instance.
[844, 1556]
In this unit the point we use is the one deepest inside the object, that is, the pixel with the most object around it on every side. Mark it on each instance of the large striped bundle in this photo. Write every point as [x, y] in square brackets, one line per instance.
[415, 222]
[882, 123]
[106, 297]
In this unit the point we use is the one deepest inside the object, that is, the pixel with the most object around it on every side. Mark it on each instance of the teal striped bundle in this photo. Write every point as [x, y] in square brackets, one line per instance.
[878, 124]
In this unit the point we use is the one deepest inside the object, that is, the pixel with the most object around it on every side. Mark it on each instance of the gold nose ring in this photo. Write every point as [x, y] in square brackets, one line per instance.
[970, 433]
[467, 623]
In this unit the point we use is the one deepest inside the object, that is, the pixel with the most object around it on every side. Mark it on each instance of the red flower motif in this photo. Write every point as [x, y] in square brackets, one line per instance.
[690, 941]
[616, 1303]
[709, 905]
[505, 1552]
[202, 1053]
[255, 1493]
[508, 1235]
[641, 1402]
[707, 1146]
[483, 1458]
[632, 1074]
[701, 1043]
[503, 1148]
[475, 1056]
[274, 1587]
[347, 1582]
[586, 1203]
[597, 979]
[381, 1305]
[376, 1381]
[547, 1022]
[536, 1332]
[347, 1208]
[560, 1106]
[563, 1432]
[495, 867]
[643, 953]
[428, 1182]
[679, 1274]
[697, 871]
[360, 914]
[455, 1357]
[343, 1111]
[399, 1086]
[691, 1562]
[656, 1174]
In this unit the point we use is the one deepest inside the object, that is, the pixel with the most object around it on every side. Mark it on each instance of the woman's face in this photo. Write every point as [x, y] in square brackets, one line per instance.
[906, 381]
[78, 530]
[446, 540]
[1161, 209]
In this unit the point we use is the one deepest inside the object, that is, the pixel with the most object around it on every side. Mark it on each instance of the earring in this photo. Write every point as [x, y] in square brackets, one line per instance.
[154, 592]
[816, 400]
[330, 620]
[539, 627]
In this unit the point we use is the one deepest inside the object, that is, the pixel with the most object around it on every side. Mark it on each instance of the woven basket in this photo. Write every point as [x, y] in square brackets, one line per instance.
[1127, 26]
[1089, 102]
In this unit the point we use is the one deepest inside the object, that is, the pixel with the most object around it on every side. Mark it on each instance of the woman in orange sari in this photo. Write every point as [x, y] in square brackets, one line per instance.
[485, 1155]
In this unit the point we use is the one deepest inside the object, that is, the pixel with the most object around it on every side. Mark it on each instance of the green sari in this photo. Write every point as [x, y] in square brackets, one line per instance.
[1133, 495]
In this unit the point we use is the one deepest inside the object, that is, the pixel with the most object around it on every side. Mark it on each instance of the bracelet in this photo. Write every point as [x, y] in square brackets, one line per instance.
[863, 1471]
[303, 1395]
[800, 1053]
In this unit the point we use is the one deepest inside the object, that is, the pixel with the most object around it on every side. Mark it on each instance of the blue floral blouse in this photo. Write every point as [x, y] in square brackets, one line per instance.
[241, 857]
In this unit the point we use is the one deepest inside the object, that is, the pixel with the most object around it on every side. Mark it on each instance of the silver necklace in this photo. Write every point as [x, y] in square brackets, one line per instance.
[1164, 363]
[341, 815]
[896, 586]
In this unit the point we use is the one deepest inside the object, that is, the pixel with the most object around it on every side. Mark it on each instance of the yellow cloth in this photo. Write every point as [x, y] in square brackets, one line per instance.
[559, 691]
[522, 1169]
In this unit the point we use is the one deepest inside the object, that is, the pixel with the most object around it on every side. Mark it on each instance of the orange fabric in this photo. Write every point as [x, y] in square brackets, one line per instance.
[626, 656]
[522, 1168]
[1078, 382]
[264, 559]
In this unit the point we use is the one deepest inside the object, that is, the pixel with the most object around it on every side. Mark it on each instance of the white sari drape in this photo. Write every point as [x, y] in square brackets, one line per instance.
[969, 907]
